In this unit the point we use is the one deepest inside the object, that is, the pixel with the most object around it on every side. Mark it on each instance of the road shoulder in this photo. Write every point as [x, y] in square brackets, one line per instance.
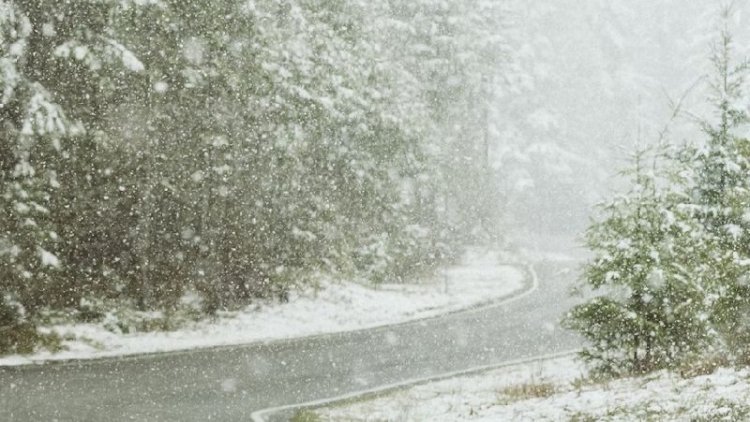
[482, 279]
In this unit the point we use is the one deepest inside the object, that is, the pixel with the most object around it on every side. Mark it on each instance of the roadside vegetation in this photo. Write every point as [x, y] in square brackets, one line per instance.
[233, 150]
[559, 389]
[525, 391]
[671, 255]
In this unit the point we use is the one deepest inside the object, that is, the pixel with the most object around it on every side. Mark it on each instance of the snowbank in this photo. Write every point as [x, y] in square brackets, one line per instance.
[333, 308]
[552, 390]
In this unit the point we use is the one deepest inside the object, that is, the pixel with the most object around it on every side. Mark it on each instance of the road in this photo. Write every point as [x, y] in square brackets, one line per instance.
[229, 383]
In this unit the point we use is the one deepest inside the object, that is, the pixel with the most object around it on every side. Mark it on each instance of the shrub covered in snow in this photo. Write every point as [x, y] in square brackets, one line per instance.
[17, 334]
[652, 313]
[671, 256]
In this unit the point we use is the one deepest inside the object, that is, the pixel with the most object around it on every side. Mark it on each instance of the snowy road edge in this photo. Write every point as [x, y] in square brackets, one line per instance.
[515, 295]
[263, 414]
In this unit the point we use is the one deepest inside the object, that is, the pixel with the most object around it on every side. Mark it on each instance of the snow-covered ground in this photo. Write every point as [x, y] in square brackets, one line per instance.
[481, 278]
[553, 390]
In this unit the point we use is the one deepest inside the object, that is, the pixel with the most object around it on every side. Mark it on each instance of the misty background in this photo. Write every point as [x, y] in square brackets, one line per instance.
[599, 79]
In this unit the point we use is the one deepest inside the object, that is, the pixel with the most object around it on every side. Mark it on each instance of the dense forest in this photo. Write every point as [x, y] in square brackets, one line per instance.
[237, 149]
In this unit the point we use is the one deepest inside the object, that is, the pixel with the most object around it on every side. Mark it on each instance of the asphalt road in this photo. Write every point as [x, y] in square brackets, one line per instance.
[229, 383]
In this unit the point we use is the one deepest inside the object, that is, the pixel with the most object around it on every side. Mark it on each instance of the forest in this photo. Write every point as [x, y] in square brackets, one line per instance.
[236, 150]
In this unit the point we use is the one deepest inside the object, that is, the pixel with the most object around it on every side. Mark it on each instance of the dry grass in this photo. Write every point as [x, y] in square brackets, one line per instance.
[703, 366]
[525, 391]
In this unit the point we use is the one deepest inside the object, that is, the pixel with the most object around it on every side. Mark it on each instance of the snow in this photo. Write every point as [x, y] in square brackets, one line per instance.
[161, 87]
[197, 177]
[335, 307]
[734, 231]
[48, 259]
[129, 60]
[48, 30]
[22, 208]
[554, 390]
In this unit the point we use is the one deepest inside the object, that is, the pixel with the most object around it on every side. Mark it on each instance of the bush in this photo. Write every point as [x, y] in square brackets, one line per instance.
[652, 311]
[671, 255]
[17, 335]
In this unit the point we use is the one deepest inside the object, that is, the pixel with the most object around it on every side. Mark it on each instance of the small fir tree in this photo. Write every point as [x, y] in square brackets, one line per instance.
[650, 313]
[720, 198]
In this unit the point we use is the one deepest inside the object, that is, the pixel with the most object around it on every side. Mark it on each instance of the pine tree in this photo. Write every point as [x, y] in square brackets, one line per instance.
[679, 247]
[238, 149]
[651, 312]
[720, 194]
[53, 57]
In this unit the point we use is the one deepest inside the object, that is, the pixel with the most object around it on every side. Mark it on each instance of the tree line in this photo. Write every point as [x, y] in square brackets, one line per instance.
[237, 149]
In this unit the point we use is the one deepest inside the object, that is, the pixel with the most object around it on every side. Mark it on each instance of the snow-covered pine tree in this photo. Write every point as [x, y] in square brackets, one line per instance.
[720, 196]
[52, 57]
[27, 242]
[649, 313]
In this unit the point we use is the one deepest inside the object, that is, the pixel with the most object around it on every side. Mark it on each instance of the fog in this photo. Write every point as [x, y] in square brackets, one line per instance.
[605, 79]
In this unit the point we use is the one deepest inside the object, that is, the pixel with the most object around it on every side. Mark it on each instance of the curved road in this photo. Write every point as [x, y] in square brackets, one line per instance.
[229, 383]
